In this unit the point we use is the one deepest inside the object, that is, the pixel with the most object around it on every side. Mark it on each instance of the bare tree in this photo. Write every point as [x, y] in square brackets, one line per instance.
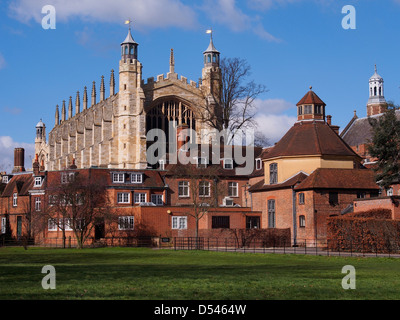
[76, 204]
[204, 189]
[233, 107]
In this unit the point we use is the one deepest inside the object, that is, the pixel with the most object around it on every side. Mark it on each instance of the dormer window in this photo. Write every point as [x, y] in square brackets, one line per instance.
[136, 178]
[5, 179]
[228, 163]
[118, 178]
[38, 181]
[258, 164]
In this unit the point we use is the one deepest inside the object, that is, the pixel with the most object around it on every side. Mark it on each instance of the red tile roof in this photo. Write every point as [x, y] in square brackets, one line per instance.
[311, 138]
[261, 186]
[324, 178]
[311, 98]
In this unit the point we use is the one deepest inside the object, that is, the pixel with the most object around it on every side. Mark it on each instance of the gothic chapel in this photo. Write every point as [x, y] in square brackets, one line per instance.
[111, 132]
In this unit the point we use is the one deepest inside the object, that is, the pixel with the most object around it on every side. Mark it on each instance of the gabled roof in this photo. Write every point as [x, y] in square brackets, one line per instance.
[311, 138]
[326, 178]
[261, 186]
[311, 98]
[21, 183]
[359, 131]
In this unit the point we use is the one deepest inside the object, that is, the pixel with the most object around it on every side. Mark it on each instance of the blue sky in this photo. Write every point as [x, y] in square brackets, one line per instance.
[290, 45]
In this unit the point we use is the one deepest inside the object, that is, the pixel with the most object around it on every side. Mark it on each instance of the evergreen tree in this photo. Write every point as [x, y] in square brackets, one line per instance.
[385, 146]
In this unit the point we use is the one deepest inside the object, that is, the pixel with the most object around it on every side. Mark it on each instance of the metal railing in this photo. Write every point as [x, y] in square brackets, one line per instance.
[303, 246]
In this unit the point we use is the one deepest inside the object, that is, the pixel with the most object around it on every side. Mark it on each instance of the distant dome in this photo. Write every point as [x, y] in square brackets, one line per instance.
[376, 76]
[40, 124]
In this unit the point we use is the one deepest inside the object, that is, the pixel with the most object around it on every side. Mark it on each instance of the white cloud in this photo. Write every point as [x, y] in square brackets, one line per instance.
[144, 13]
[271, 118]
[268, 4]
[274, 126]
[272, 106]
[227, 13]
[7, 146]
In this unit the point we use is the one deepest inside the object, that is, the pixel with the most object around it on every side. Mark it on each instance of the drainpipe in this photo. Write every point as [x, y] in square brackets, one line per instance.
[294, 217]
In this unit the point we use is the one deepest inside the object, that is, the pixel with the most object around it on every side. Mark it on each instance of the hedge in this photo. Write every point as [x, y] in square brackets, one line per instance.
[368, 231]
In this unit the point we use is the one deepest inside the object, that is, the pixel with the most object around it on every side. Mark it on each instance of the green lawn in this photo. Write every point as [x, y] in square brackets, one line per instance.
[130, 273]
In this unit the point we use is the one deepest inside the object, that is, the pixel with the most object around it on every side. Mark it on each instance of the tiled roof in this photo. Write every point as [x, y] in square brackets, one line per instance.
[359, 131]
[311, 138]
[21, 182]
[311, 98]
[261, 186]
[326, 178]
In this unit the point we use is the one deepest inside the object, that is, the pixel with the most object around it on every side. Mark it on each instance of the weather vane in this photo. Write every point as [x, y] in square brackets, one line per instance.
[129, 21]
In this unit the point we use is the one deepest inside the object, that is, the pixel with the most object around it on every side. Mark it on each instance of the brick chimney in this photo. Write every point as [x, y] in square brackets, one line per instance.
[329, 122]
[36, 168]
[19, 160]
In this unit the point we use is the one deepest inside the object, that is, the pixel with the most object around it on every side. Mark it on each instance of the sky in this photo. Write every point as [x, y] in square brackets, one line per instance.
[289, 44]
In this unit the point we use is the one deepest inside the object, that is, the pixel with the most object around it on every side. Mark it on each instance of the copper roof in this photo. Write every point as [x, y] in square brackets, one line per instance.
[311, 138]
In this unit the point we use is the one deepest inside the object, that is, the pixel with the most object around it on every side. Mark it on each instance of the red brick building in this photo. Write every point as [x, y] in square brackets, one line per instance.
[309, 175]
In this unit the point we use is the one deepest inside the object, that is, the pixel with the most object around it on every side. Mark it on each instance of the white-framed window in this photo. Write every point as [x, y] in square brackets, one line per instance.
[204, 189]
[15, 199]
[179, 223]
[389, 192]
[52, 225]
[38, 181]
[258, 164]
[233, 189]
[67, 224]
[201, 162]
[157, 199]
[126, 223]
[183, 189]
[136, 177]
[228, 202]
[228, 163]
[118, 177]
[3, 225]
[38, 202]
[5, 179]
[139, 197]
[123, 197]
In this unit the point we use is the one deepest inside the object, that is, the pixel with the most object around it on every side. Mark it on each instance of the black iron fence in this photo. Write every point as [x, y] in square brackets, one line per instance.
[330, 247]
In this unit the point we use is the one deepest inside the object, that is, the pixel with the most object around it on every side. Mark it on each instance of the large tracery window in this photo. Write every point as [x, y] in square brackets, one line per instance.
[168, 111]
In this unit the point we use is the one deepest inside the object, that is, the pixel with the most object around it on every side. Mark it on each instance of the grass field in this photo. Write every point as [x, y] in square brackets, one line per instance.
[130, 273]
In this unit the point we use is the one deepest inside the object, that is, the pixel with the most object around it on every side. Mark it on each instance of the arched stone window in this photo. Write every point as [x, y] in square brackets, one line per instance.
[167, 111]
